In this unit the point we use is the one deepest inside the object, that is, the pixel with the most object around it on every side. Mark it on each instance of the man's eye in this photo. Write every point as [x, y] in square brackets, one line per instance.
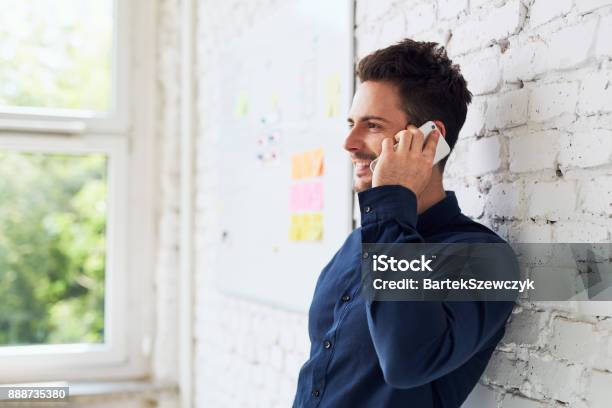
[350, 125]
[373, 126]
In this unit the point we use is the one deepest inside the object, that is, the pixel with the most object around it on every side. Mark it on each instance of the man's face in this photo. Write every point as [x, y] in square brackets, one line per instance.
[374, 115]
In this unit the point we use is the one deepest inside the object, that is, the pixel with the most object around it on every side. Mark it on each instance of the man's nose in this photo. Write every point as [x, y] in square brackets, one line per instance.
[354, 140]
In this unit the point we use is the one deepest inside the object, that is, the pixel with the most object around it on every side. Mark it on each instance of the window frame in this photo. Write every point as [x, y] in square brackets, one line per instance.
[127, 137]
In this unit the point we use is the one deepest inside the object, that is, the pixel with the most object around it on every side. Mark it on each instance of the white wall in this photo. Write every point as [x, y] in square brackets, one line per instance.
[524, 165]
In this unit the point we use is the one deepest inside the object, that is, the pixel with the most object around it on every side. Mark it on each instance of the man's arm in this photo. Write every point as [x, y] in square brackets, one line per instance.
[417, 342]
[420, 341]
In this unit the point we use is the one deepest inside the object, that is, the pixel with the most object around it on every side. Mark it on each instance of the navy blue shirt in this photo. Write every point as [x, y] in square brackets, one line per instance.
[397, 354]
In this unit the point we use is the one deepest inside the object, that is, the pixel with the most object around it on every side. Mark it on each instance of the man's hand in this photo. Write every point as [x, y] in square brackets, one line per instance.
[410, 164]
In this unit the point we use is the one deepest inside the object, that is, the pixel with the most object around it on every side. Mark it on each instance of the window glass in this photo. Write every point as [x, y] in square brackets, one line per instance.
[52, 248]
[56, 54]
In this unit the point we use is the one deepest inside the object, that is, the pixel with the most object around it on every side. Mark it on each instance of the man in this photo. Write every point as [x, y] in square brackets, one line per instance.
[399, 354]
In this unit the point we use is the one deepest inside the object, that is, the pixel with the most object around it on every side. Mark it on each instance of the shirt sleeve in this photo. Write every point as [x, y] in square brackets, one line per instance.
[419, 341]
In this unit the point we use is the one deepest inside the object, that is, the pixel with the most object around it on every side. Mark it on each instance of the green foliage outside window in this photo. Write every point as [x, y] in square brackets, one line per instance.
[52, 248]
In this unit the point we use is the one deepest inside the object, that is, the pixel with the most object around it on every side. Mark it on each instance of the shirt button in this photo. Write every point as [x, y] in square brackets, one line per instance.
[316, 393]
[345, 298]
[367, 208]
[365, 255]
[327, 344]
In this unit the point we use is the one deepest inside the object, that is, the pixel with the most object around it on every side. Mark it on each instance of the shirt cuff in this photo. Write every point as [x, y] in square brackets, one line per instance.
[388, 202]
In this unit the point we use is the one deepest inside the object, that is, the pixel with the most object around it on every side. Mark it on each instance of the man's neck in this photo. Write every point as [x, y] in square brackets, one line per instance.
[433, 193]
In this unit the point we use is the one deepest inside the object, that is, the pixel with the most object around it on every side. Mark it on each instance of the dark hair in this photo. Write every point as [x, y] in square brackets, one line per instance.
[431, 87]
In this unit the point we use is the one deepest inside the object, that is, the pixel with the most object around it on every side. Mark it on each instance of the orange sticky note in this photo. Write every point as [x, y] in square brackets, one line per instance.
[297, 167]
[307, 163]
[317, 162]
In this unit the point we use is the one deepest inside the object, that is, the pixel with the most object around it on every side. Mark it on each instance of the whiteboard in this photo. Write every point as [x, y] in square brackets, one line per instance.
[285, 90]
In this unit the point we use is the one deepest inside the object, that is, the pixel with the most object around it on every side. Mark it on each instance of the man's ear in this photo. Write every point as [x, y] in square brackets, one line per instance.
[441, 126]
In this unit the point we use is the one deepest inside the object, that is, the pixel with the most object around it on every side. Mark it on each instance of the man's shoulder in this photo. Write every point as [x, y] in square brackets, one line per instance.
[465, 229]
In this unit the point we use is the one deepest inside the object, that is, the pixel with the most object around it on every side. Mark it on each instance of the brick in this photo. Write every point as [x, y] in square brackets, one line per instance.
[604, 360]
[580, 231]
[595, 195]
[495, 24]
[471, 200]
[585, 6]
[481, 396]
[552, 379]
[596, 93]
[574, 341]
[507, 110]
[604, 45]
[420, 17]
[515, 401]
[523, 59]
[475, 119]
[586, 149]
[482, 71]
[483, 156]
[550, 100]
[371, 10]
[392, 31]
[552, 200]
[533, 151]
[437, 34]
[448, 9]
[504, 200]
[598, 389]
[542, 11]
[525, 327]
[504, 371]
[368, 39]
[474, 4]
[532, 232]
[529, 57]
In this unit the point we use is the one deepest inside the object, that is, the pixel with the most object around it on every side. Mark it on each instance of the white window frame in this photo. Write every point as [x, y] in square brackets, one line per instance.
[127, 138]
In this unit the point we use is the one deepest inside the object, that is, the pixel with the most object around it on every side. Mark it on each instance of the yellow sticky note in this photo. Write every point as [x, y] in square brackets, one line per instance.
[317, 162]
[313, 227]
[306, 227]
[296, 227]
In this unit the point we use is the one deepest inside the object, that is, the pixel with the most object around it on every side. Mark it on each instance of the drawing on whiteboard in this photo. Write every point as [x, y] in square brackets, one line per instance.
[332, 96]
[242, 105]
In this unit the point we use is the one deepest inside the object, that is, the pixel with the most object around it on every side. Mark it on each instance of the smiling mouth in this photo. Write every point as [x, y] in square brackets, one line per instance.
[362, 167]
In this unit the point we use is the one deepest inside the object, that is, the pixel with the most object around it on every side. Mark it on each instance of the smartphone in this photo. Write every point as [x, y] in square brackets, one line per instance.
[442, 149]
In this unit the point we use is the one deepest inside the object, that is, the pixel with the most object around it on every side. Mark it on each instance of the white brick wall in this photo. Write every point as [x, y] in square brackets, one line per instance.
[533, 162]
[539, 170]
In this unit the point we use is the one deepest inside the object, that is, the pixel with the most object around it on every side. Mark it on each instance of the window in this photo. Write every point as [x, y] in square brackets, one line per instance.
[56, 55]
[68, 226]
[52, 247]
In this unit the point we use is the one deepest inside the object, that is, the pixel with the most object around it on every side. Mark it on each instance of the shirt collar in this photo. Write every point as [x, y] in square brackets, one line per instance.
[438, 215]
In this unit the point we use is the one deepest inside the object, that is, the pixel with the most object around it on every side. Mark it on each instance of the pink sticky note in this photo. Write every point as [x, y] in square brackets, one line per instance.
[315, 196]
[294, 198]
[306, 197]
